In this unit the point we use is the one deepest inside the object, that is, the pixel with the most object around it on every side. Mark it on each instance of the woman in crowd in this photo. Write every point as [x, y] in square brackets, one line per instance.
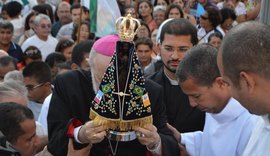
[130, 10]
[159, 14]
[208, 23]
[174, 11]
[164, 3]
[28, 27]
[155, 54]
[145, 10]
[180, 3]
[85, 33]
[143, 31]
[185, 11]
[228, 17]
[239, 8]
[65, 46]
[45, 9]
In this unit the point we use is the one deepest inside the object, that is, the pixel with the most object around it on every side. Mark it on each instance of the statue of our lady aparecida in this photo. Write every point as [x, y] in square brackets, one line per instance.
[122, 102]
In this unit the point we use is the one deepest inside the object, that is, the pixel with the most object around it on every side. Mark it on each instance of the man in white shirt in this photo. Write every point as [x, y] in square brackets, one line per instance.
[42, 39]
[244, 64]
[199, 77]
[37, 80]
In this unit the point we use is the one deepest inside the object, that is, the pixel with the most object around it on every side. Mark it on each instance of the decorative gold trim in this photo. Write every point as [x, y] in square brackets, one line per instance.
[117, 124]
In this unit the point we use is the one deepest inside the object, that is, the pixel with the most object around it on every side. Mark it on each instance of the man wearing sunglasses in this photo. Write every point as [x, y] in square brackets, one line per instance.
[37, 79]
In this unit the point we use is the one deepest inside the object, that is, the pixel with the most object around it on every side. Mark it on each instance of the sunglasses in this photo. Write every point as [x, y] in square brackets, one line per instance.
[65, 44]
[32, 52]
[203, 17]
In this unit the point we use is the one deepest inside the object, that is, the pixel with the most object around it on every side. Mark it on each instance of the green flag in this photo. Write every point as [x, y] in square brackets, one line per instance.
[25, 2]
[93, 15]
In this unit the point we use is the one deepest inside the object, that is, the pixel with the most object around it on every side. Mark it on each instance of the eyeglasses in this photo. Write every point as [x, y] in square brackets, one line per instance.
[32, 87]
[169, 49]
[44, 26]
[203, 17]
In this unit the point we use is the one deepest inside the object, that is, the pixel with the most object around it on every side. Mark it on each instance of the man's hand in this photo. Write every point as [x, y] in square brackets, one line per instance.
[90, 133]
[183, 151]
[177, 136]
[82, 152]
[175, 132]
[148, 136]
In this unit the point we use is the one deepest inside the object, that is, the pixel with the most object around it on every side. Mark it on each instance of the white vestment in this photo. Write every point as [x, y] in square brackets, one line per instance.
[225, 133]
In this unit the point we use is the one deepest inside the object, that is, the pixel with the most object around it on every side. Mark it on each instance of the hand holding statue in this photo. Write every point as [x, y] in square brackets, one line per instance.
[177, 136]
[148, 136]
[90, 133]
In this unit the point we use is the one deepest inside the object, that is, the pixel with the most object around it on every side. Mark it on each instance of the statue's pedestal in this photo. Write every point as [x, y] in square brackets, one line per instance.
[121, 136]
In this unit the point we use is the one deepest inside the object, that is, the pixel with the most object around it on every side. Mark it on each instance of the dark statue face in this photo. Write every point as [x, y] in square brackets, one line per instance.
[124, 51]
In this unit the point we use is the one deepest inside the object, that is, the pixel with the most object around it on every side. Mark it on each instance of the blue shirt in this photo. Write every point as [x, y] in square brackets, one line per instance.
[15, 51]
[55, 28]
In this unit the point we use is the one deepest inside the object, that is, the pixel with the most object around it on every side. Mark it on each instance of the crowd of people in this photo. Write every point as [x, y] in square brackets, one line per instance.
[205, 64]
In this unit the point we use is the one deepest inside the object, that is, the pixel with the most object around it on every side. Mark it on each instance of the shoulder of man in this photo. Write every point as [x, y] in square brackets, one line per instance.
[74, 75]
[157, 77]
[152, 84]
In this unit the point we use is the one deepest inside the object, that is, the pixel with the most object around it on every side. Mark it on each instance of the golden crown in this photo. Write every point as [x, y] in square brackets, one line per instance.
[127, 27]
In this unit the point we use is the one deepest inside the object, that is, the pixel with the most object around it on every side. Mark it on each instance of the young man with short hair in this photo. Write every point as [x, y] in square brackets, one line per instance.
[22, 132]
[80, 55]
[14, 9]
[37, 79]
[199, 78]
[176, 37]
[6, 43]
[144, 49]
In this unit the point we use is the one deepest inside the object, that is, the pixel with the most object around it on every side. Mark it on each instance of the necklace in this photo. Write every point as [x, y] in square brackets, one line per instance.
[114, 150]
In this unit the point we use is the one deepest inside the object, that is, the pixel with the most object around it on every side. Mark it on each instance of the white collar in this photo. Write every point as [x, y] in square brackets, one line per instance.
[231, 111]
[151, 62]
[266, 119]
[172, 82]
